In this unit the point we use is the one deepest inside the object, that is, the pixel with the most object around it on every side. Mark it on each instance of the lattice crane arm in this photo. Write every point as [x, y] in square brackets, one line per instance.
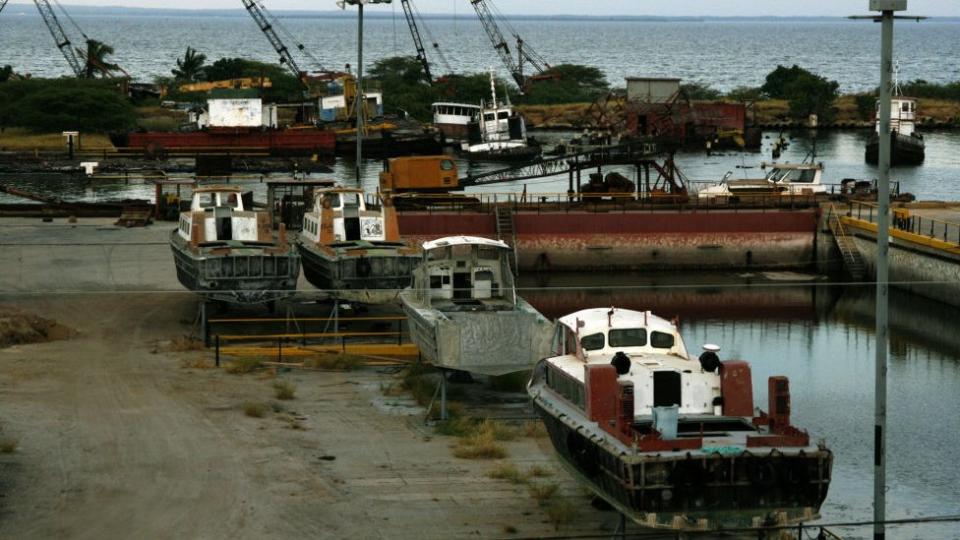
[417, 41]
[3, 4]
[499, 43]
[267, 28]
[60, 37]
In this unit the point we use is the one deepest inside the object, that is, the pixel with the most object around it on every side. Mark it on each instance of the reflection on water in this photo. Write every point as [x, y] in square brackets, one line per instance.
[840, 151]
[821, 336]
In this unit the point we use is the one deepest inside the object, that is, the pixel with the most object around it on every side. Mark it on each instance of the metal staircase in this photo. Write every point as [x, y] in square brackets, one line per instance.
[506, 233]
[852, 260]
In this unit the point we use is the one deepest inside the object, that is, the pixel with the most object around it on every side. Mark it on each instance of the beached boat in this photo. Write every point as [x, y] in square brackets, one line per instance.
[225, 252]
[464, 312]
[784, 179]
[670, 440]
[351, 247]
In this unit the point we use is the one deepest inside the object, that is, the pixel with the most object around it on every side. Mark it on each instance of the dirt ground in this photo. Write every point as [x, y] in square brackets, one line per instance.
[119, 436]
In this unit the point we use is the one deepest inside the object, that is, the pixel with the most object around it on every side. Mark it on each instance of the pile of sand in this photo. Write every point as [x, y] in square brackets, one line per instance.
[18, 328]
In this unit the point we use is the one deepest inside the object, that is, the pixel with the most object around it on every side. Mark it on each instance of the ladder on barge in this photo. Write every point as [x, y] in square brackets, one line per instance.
[507, 233]
[852, 260]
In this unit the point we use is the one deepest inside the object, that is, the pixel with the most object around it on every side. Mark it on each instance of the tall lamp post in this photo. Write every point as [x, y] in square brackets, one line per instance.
[886, 17]
[359, 100]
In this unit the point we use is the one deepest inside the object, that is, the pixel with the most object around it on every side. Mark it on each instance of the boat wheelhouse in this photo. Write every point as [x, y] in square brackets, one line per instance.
[673, 441]
[225, 252]
[783, 179]
[351, 247]
[498, 133]
[453, 119]
[907, 146]
[464, 312]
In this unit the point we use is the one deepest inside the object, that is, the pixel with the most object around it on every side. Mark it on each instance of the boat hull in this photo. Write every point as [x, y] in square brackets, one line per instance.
[376, 276]
[238, 275]
[904, 150]
[728, 488]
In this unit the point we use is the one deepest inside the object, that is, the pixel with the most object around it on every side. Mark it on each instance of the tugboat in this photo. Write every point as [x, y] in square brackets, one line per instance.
[498, 133]
[786, 179]
[464, 312]
[907, 147]
[351, 245]
[672, 441]
[227, 253]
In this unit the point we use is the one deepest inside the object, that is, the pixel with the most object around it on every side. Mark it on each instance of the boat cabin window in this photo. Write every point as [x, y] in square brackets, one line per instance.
[777, 175]
[905, 107]
[230, 199]
[628, 337]
[592, 342]
[489, 116]
[503, 115]
[207, 200]
[351, 200]
[806, 176]
[334, 199]
[446, 165]
[661, 340]
[487, 253]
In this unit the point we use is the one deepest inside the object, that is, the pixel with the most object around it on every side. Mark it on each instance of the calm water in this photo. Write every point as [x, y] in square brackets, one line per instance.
[821, 336]
[722, 54]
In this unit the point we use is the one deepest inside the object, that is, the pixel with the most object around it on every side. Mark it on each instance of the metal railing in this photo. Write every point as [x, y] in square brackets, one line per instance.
[903, 220]
[486, 202]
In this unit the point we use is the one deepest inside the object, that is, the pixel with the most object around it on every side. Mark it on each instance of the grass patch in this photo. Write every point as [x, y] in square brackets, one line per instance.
[542, 493]
[255, 409]
[185, 344]
[339, 362]
[284, 390]
[508, 472]
[533, 429]
[481, 444]
[457, 426]
[8, 445]
[23, 139]
[561, 513]
[540, 472]
[243, 365]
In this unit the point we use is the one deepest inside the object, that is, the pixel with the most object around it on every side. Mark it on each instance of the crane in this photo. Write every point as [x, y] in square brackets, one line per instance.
[417, 42]
[524, 53]
[3, 4]
[60, 37]
[267, 22]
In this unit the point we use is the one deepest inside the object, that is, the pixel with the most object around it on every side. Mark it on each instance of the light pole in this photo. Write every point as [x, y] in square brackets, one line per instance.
[886, 9]
[359, 100]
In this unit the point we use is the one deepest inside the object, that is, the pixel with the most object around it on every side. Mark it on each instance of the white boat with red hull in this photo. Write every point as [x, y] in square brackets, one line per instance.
[672, 441]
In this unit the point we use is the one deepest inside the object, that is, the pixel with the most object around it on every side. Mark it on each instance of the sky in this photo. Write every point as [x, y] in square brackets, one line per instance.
[714, 8]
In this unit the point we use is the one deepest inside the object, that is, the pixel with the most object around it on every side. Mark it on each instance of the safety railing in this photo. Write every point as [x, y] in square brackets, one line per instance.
[904, 220]
[485, 202]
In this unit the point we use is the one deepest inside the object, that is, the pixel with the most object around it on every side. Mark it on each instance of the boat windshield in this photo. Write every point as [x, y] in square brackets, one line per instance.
[778, 175]
[807, 176]
[351, 200]
[628, 337]
[661, 340]
[592, 342]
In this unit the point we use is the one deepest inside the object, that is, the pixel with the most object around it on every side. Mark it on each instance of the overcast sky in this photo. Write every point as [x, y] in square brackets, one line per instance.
[938, 8]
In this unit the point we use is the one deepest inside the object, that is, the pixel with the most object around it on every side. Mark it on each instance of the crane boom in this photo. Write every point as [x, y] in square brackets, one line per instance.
[524, 53]
[60, 37]
[417, 41]
[267, 28]
[3, 4]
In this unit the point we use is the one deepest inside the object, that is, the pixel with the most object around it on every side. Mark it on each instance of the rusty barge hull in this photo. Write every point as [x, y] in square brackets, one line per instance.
[638, 240]
[275, 142]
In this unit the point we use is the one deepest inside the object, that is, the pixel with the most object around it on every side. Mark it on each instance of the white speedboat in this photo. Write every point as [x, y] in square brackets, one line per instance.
[786, 179]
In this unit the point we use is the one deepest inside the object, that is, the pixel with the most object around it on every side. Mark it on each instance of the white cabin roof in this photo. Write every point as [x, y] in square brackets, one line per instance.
[463, 240]
[454, 104]
[595, 320]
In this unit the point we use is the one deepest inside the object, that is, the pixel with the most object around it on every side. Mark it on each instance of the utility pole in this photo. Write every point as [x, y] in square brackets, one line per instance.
[359, 101]
[886, 9]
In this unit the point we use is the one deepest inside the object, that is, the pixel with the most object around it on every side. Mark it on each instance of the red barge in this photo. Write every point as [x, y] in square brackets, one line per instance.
[234, 140]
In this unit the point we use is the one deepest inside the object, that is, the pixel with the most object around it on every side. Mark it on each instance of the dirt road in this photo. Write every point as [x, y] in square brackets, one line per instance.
[121, 438]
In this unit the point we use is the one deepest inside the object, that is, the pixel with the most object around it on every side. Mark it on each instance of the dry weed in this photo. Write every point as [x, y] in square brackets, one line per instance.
[255, 409]
[284, 390]
[508, 472]
[243, 365]
[8, 445]
[561, 512]
[542, 493]
[481, 444]
[338, 362]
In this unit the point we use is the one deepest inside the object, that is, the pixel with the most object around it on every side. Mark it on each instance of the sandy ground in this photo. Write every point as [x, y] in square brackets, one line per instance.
[121, 438]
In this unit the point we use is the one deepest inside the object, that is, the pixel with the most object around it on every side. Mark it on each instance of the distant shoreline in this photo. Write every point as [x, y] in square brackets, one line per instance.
[77, 10]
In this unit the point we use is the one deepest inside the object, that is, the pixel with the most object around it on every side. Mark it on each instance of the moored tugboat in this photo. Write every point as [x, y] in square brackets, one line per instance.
[671, 441]
[351, 247]
[227, 253]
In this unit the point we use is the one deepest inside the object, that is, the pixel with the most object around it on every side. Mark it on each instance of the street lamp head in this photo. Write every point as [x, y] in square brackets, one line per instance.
[888, 5]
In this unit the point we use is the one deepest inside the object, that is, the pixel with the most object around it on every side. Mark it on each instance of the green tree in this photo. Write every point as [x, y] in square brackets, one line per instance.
[745, 93]
[701, 92]
[190, 67]
[567, 83]
[806, 92]
[779, 81]
[54, 105]
[6, 73]
[398, 70]
[95, 58]
[865, 105]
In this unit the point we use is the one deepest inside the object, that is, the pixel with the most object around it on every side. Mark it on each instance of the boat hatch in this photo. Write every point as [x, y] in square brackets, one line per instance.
[666, 388]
